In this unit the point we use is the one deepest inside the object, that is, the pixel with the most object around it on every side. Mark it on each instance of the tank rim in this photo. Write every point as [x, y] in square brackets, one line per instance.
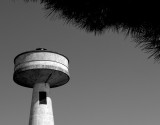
[37, 52]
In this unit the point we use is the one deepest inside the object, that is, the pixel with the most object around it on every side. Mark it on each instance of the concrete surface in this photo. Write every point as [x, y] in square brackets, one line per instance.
[41, 114]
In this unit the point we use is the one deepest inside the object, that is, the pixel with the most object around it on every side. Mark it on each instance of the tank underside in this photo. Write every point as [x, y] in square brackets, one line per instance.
[28, 78]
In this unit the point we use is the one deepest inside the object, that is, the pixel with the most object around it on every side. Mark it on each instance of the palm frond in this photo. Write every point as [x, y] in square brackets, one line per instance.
[138, 18]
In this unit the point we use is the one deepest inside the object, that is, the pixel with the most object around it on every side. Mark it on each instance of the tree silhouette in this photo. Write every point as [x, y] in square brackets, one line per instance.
[138, 18]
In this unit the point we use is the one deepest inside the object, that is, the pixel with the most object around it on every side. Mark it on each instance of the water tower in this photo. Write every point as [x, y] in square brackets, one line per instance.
[41, 70]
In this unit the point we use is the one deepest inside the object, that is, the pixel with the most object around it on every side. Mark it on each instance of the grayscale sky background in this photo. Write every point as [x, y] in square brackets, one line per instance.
[112, 82]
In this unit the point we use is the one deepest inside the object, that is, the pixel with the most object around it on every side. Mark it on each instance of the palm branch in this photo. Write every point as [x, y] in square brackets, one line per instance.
[138, 18]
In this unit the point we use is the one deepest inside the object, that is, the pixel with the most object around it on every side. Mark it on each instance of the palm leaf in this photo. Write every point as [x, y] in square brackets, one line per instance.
[138, 18]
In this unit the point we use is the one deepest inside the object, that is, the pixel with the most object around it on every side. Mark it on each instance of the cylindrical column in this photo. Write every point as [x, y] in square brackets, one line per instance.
[41, 107]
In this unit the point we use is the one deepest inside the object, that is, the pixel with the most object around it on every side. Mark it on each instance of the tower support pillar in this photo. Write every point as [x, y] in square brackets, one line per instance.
[41, 112]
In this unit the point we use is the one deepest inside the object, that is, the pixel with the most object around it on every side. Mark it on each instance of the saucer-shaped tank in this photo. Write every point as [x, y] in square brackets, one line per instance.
[41, 66]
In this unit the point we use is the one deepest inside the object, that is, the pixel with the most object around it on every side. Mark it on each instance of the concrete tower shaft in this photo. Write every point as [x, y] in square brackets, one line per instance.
[41, 112]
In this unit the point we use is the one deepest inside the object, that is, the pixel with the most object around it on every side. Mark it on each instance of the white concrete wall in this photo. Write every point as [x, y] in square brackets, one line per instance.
[41, 114]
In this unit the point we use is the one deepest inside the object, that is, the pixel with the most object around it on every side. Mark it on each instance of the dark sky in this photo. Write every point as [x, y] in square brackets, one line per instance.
[112, 82]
